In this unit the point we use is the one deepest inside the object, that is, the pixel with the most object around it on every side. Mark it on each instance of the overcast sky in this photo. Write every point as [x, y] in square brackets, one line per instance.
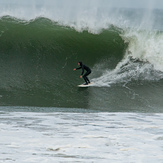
[137, 3]
[109, 3]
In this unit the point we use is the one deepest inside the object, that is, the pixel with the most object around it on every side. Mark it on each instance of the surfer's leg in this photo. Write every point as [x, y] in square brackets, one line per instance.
[86, 78]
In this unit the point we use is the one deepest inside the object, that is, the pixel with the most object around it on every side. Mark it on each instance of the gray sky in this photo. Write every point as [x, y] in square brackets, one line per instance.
[137, 3]
[109, 3]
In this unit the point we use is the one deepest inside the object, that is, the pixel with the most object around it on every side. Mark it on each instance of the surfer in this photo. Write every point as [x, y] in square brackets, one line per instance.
[84, 67]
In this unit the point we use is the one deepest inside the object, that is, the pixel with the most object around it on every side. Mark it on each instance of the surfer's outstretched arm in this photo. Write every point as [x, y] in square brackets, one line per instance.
[77, 68]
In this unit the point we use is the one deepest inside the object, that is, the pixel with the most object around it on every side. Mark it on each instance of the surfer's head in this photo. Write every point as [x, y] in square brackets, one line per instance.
[80, 63]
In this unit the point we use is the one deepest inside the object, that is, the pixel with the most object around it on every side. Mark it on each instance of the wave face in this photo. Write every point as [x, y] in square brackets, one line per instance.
[39, 54]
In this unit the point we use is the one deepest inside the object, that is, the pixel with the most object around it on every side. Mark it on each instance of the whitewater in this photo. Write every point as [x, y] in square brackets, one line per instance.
[45, 117]
[80, 137]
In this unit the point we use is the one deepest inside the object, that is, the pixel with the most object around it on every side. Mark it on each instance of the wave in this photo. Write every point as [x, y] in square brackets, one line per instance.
[41, 46]
[37, 58]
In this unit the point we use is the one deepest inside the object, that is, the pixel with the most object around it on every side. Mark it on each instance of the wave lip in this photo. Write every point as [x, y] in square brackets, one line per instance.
[92, 16]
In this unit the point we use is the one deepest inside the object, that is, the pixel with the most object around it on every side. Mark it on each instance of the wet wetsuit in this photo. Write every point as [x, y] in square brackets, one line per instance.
[84, 67]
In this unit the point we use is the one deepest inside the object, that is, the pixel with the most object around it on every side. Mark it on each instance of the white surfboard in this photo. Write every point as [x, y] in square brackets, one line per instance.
[82, 85]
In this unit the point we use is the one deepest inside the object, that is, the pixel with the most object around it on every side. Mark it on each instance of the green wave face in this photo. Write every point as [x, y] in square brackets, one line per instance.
[40, 50]
[38, 57]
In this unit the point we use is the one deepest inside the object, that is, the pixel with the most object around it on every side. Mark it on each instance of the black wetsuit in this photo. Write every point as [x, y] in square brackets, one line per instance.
[84, 67]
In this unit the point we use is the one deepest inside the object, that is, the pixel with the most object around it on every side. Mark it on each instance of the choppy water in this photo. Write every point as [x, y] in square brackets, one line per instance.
[81, 137]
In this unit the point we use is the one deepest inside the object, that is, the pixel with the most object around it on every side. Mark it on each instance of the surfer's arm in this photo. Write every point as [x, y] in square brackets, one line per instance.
[82, 70]
[78, 68]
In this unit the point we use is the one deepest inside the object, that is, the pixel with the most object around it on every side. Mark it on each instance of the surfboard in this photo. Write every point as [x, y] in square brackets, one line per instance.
[82, 85]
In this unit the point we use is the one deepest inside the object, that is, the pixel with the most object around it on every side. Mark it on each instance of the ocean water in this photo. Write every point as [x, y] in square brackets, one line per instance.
[45, 117]
[81, 137]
